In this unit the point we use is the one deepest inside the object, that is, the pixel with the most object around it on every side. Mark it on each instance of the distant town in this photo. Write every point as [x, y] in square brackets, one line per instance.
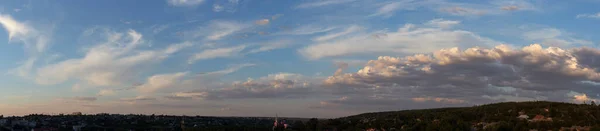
[505, 116]
[78, 121]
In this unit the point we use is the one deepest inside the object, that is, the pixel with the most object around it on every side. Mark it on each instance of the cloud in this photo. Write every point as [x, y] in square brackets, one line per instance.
[229, 70]
[476, 75]
[349, 30]
[78, 99]
[510, 8]
[235, 51]
[113, 62]
[138, 98]
[276, 16]
[373, 103]
[172, 82]
[14, 28]
[217, 53]
[281, 85]
[35, 42]
[553, 37]
[217, 8]
[262, 22]
[341, 67]
[595, 16]
[580, 97]
[158, 82]
[222, 29]
[184, 2]
[401, 41]
[159, 28]
[307, 30]
[226, 5]
[441, 23]
[77, 87]
[319, 3]
[388, 9]
[515, 5]
[437, 99]
[350, 62]
[271, 45]
[461, 11]
[106, 92]
[495, 7]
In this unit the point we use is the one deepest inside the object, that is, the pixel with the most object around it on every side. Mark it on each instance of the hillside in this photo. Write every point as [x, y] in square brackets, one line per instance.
[539, 115]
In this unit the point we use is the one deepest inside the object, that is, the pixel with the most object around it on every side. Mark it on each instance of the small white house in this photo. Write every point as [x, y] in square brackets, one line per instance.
[523, 117]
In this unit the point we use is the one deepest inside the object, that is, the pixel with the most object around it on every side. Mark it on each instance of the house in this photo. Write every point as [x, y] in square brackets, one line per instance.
[523, 117]
[538, 118]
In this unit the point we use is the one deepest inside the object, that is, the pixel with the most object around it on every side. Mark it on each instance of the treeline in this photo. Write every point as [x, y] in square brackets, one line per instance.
[499, 116]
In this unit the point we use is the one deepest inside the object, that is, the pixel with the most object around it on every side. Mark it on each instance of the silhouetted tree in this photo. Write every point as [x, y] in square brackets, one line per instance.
[595, 128]
[312, 124]
[299, 126]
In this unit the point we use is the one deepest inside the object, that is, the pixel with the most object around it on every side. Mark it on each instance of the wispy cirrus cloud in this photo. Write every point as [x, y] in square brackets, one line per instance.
[34, 41]
[106, 92]
[594, 16]
[495, 7]
[431, 37]
[78, 99]
[184, 2]
[262, 22]
[554, 37]
[226, 5]
[224, 28]
[138, 99]
[271, 45]
[319, 3]
[160, 81]
[113, 62]
[239, 50]
[349, 30]
[216, 30]
[173, 82]
[442, 23]
[388, 9]
[281, 85]
[217, 53]
[306, 30]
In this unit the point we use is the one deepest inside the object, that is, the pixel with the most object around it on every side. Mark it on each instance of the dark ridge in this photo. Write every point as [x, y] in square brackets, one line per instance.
[539, 115]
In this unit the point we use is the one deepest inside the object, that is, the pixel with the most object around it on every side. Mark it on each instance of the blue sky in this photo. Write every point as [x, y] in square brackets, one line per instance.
[317, 58]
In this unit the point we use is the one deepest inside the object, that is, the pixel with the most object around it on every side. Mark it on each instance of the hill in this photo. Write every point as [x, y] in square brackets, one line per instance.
[506, 116]
[540, 115]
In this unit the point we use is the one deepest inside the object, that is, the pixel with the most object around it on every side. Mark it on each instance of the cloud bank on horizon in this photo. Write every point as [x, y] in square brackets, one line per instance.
[310, 58]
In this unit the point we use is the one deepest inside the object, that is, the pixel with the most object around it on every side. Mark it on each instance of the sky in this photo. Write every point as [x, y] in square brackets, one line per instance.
[294, 58]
